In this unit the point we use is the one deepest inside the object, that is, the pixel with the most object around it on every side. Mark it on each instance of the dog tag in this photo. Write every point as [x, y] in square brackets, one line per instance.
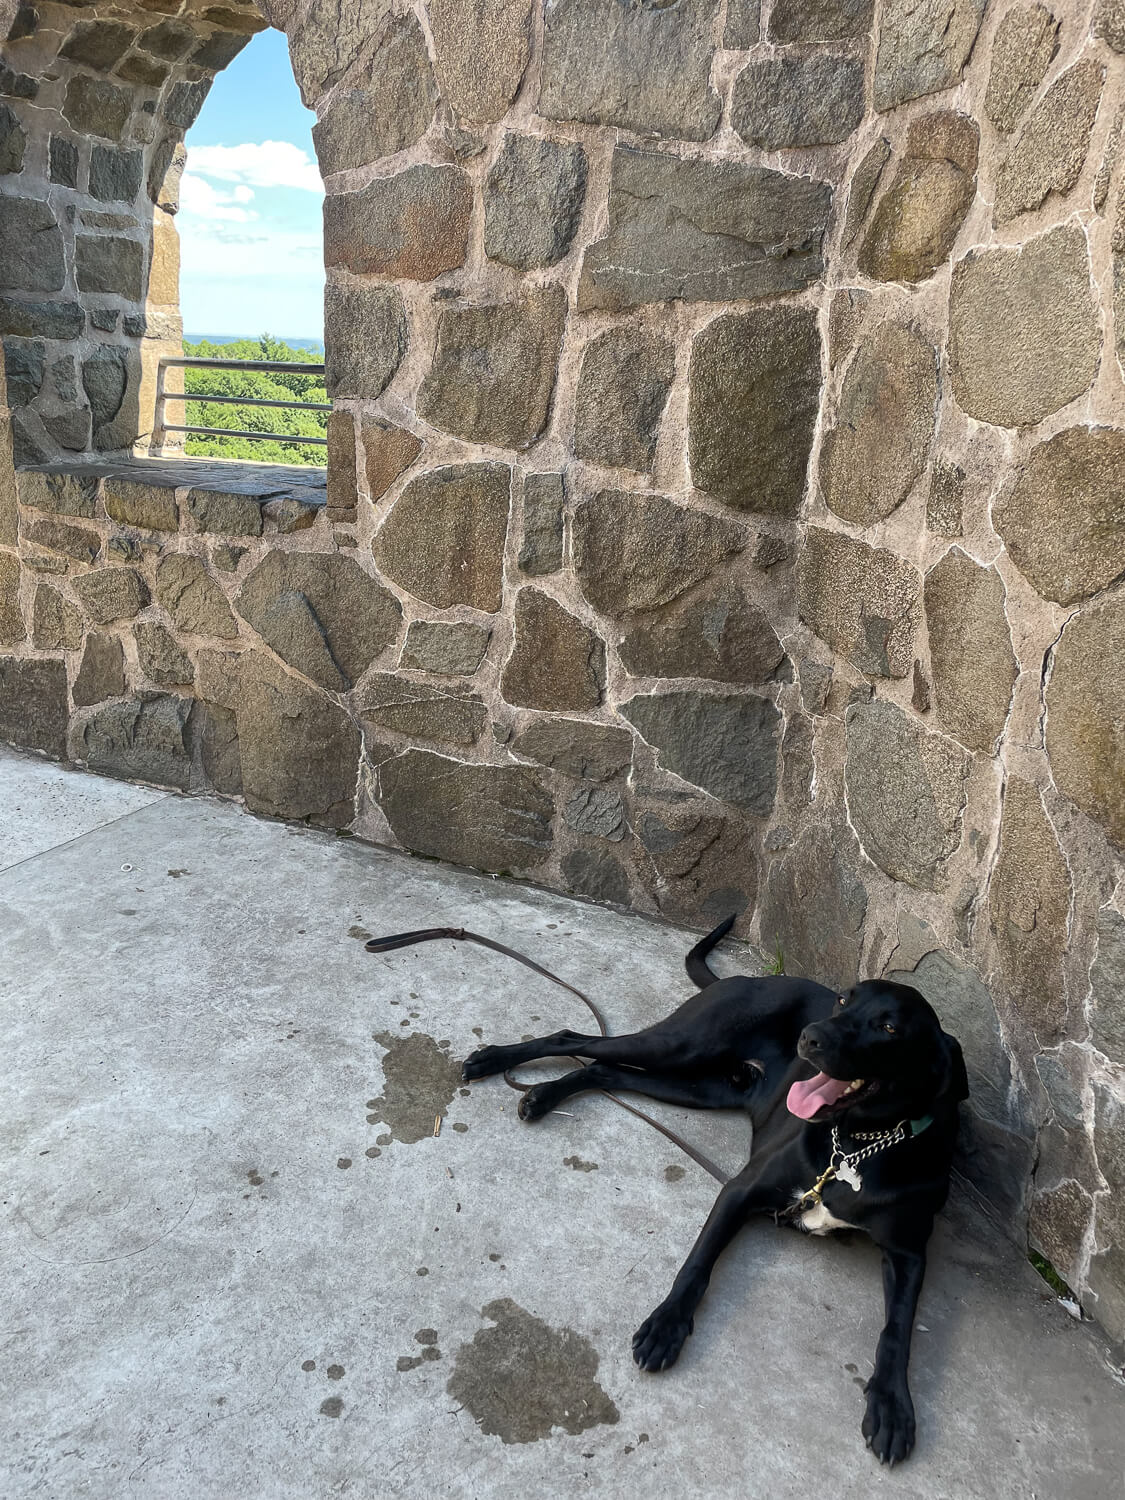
[847, 1173]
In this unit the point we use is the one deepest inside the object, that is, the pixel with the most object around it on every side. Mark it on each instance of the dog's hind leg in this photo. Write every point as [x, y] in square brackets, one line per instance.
[696, 1093]
[667, 1045]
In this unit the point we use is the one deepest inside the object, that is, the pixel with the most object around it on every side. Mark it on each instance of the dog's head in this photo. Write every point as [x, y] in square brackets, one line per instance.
[881, 1056]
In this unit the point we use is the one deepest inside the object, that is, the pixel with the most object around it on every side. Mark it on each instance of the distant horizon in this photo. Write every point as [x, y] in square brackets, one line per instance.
[297, 341]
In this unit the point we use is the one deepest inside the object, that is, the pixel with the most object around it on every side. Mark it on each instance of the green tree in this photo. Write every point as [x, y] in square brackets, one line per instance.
[260, 385]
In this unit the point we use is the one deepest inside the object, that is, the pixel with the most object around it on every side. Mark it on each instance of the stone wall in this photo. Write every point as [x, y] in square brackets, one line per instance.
[725, 501]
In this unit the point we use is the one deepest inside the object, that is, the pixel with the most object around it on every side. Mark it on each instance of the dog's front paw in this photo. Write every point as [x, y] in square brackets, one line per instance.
[888, 1423]
[536, 1102]
[659, 1339]
[483, 1063]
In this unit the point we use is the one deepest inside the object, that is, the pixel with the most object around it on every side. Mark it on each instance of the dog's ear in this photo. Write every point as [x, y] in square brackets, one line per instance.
[956, 1080]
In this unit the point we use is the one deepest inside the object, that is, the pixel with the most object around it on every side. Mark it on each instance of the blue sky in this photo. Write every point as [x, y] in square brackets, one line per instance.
[250, 205]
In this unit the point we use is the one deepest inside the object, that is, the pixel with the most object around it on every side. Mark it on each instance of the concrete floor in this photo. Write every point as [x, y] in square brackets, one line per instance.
[237, 1262]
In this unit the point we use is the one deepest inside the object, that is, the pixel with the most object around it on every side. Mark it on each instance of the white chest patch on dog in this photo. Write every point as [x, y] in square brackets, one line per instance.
[817, 1220]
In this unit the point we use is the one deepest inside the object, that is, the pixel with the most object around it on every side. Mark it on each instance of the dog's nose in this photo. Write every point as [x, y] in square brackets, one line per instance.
[808, 1042]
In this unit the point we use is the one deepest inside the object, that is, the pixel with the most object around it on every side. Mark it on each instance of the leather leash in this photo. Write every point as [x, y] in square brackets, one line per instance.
[460, 935]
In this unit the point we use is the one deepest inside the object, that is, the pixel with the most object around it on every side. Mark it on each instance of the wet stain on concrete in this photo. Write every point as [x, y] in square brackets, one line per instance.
[335, 1372]
[373, 1152]
[332, 1407]
[460, 1127]
[426, 1336]
[673, 1173]
[422, 1271]
[359, 932]
[420, 1080]
[576, 1164]
[407, 1362]
[343, 1162]
[308, 1364]
[175, 874]
[521, 1378]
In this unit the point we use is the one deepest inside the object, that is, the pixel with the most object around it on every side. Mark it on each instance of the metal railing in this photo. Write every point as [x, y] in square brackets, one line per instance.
[264, 366]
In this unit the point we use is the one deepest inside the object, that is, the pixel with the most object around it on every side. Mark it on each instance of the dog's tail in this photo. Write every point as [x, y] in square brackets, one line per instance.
[696, 961]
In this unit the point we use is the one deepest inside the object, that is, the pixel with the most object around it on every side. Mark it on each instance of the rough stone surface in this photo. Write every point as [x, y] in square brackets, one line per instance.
[864, 601]
[637, 552]
[24, 370]
[594, 752]
[330, 44]
[115, 175]
[161, 659]
[703, 231]
[12, 628]
[444, 539]
[1023, 337]
[716, 633]
[13, 142]
[644, 68]
[225, 513]
[544, 509]
[923, 46]
[1084, 720]
[1063, 519]
[33, 706]
[533, 201]
[56, 623]
[321, 613]
[974, 666]
[78, 542]
[414, 225]
[42, 320]
[146, 738]
[945, 498]
[488, 817]
[493, 371]
[421, 711]
[861, 190]
[1049, 153]
[622, 390]
[1029, 906]
[388, 451]
[724, 743]
[112, 594]
[906, 792]
[106, 378]
[61, 494]
[698, 863]
[556, 662]
[31, 247]
[1107, 986]
[389, 113]
[597, 874]
[96, 107]
[1026, 40]
[365, 338]
[110, 265]
[193, 598]
[449, 650]
[819, 20]
[598, 811]
[102, 672]
[753, 396]
[813, 908]
[919, 216]
[872, 456]
[743, 25]
[781, 101]
[481, 80]
[1109, 22]
[133, 504]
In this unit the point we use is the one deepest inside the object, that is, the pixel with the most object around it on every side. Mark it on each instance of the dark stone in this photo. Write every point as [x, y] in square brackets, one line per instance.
[228, 558]
[636, 552]
[98, 44]
[44, 320]
[644, 68]
[423, 712]
[193, 598]
[698, 864]
[1050, 151]
[95, 107]
[131, 503]
[170, 40]
[1029, 904]
[945, 498]
[594, 752]
[15, 85]
[115, 175]
[533, 201]
[556, 661]
[24, 367]
[134, 325]
[544, 506]
[923, 46]
[290, 515]
[1026, 40]
[1059, 1223]
[597, 810]
[1109, 1134]
[388, 451]
[365, 338]
[493, 372]
[481, 79]
[596, 874]
[184, 103]
[224, 513]
[113, 265]
[920, 215]
[112, 594]
[144, 739]
[104, 319]
[906, 793]
[321, 613]
[1063, 520]
[444, 539]
[219, 51]
[102, 673]
[33, 706]
[70, 429]
[717, 633]
[744, 24]
[876, 450]
[142, 70]
[63, 158]
[31, 247]
[724, 743]
[449, 650]
[1023, 329]
[1084, 698]
[105, 379]
[753, 397]
[488, 817]
[161, 659]
[703, 232]
[971, 653]
[64, 378]
[13, 139]
[1109, 23]
[864, 601]
[622, 390]
[816, 683]
[78, 542]
[770, 551]
[814, 908]
[1107, 986]
[820, 20]
[864, 181]
[414, 225]
[390, 113]
[781, 101]
[215, 733]
[12, 628]
[342, 492]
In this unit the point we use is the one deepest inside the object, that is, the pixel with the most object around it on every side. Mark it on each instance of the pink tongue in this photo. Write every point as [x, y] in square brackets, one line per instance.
[805, 1098]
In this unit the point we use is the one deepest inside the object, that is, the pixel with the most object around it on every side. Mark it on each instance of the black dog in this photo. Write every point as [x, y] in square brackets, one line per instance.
[854, 1104]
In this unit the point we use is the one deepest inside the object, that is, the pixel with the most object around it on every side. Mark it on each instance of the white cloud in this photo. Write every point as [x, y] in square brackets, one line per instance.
[199, 200]
[266, 164]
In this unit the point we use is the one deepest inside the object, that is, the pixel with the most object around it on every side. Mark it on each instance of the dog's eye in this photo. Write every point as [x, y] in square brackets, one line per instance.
[888, 1027]
[842, 1000]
